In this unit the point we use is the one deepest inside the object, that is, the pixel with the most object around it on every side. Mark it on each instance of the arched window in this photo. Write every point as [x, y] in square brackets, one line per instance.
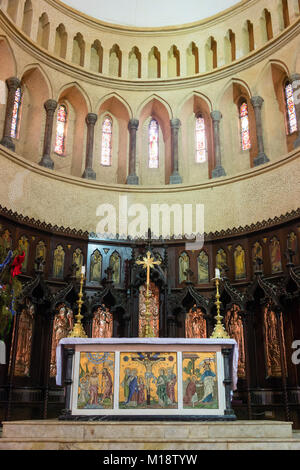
[244, 126]
[201, 147]
[290, 108]
[153, 134]
[106, 146]
[61, 124]
[15, 122]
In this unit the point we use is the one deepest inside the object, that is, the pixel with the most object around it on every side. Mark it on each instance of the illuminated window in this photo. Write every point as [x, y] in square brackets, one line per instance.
[200, 140]
[15, 122]
[106, 141]
[61, 123]
[245, 132]
[290, 109]
[153, 134]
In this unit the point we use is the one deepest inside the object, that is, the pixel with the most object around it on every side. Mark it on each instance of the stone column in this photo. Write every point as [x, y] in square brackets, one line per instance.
[218, 170]
[13, 84]
[295, 81]
[89, 173]
[132, 177]
[257, 102]
[175, 178]
[50, 107]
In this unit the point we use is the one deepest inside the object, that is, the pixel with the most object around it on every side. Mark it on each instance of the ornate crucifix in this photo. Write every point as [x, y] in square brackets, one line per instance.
[148, 262]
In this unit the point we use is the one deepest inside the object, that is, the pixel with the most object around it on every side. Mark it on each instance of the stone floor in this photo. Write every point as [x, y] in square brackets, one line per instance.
[238, 435]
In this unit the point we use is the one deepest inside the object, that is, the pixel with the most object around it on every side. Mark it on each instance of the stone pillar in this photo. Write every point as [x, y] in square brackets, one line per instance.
[13, 84]
[227, 355]
[175, 178]
[50, 107]
[295, 80]
[257, 102]
[69, 354]
[89, 173]
[132, 177]
[218, 170]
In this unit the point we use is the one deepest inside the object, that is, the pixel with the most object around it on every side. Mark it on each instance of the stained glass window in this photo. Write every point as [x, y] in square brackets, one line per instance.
[200, 140]
[290, 107]
[106, 141]
[61, 122]
[16, 114]
[245, 131]
[153, 144]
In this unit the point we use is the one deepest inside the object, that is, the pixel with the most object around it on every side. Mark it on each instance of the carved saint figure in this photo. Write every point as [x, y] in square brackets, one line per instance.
[58, 262]
[78, 260]
[184, 265]
[102, 323]
[96, 266]
[203, 276]
[62, 325]
[153, 308]
[24, 343]
[275, 253]
[239, 262]
[115, 264]
[235, 329]
[195, 324]
[272, 345]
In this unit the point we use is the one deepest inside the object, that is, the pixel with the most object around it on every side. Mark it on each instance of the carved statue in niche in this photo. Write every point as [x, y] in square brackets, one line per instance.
[153, 307]
[102, 323]
[221, 259]
[115, 264]
[58, 262]
[23, 245]
[275, 254]
[184, 265]
[292, 242]
[96, 266]
[78, 260]
[195, 324]
[239, 262]
[203, 275]
[272, 345]
[235, 329]
[62, 326]
[24, 343]
[6, 241]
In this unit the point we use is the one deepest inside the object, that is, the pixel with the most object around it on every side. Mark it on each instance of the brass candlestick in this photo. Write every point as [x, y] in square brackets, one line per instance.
[219, 331]
[78, 330]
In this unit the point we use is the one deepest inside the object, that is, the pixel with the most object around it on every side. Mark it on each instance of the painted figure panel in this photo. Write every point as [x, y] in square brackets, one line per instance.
[5, 241]
[78, 260]
[96, 380]
[292, 242]
[257, 254]
[199, 380]
[184, 265]
[239, 263]
[58, 262]
[203, 268]
[96, 266]
[221, 259]
[115, 264]
[23, 245]
[275, 254]
[148, 381]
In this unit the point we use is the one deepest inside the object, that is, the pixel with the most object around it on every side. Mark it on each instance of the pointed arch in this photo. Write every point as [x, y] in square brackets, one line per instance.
[78, 50]
[61, 39]
[96, 62]
[8, 61]
[115, 61]
[173, 62]
[154, 63]
[27, 17]
[192, 57]
[135, 63]
[43, 31]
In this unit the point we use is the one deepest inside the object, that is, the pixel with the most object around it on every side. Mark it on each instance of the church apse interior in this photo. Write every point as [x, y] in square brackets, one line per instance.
[93, 113]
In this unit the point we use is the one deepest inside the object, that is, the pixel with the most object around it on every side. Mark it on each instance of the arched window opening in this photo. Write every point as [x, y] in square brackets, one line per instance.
[106, 146]
[61, 124]
[244, 126]
[201, 145]
[153, 139]
[290, 108]
[16, 115]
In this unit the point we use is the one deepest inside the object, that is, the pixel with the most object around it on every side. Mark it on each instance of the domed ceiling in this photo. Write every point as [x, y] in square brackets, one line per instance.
[150, 13]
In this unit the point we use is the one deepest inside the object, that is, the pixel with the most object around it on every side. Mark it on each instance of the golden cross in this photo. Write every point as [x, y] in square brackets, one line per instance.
[148, 263]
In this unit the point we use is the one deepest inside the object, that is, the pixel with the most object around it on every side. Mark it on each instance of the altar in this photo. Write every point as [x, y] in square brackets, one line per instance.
[147, 378]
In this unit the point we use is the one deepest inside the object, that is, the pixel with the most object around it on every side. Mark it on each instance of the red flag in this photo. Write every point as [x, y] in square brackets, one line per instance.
[17, 264]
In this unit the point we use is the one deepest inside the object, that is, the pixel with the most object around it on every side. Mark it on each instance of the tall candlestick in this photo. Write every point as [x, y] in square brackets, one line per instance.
[219, 331]
[78, 330]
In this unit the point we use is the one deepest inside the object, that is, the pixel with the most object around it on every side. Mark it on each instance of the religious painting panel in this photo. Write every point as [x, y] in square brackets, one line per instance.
[5, 242]
[96, 380]
[203, 268]
[239, 263]
[200, 380]
[62, 325]
[292, 242]
[40, 251]
[275, 255]
[257, 254]
[272, 342]
[184, 265]
[58, 262]
[195, 324]
[102, 326]
[23, 246]
[115, 264]
[235, 329]
[148, 380]
[78, 261]
[96, 266]
[221, 259]
[153, 309]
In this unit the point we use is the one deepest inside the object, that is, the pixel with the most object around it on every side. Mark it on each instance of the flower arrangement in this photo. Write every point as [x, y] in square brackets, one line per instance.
[10, 286]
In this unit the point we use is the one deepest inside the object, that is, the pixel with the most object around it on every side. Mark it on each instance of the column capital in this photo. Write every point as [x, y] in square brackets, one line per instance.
[91, 118]
[216, 116]
[13, 83]
[257, 101]
[133, 124]
[50, 105]
[175, 123]
[294, 76]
